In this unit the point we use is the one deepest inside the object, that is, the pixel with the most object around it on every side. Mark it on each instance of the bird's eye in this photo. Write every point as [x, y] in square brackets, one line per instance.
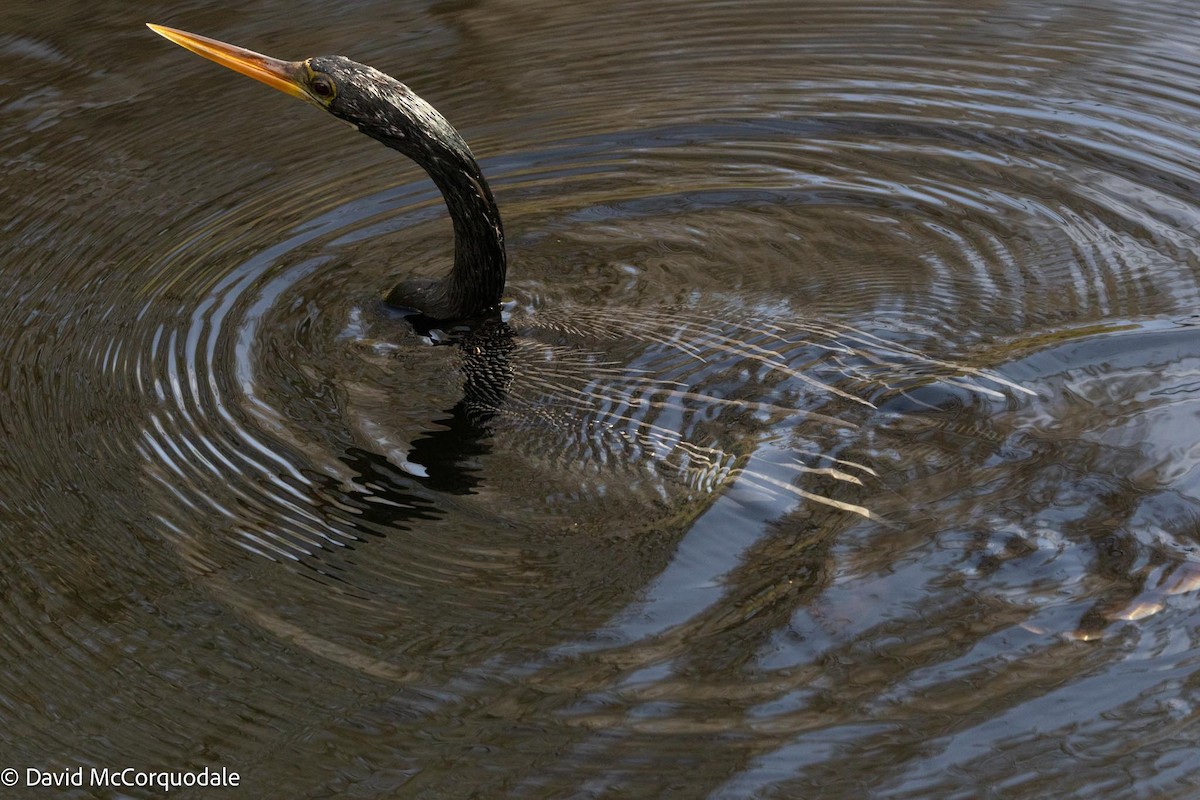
[322, 87]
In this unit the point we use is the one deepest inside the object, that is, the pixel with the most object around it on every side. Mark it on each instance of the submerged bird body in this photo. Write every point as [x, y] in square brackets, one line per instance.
[386, 110]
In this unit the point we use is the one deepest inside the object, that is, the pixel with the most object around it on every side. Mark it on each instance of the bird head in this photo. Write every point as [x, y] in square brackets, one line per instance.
[386, 110]
[369, 100]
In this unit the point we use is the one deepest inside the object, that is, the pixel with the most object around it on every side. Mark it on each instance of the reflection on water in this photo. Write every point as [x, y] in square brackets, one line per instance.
[837, 435]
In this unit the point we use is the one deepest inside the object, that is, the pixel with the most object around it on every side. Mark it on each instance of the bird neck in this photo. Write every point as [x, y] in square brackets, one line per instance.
[475, 284]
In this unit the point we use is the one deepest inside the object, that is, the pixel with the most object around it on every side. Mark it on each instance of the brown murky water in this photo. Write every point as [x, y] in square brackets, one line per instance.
[846, 442]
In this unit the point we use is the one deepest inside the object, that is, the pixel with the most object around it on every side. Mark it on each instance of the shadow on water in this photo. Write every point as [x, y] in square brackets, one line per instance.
[446, 457]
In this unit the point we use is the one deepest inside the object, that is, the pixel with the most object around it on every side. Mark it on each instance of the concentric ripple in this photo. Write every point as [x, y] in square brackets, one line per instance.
[837, 436]
[296, 419]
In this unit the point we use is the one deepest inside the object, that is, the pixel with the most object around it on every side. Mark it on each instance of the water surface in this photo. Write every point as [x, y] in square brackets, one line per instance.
[838, 438]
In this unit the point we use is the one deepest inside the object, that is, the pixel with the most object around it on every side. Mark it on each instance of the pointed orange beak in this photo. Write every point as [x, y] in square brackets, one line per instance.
[281, 75]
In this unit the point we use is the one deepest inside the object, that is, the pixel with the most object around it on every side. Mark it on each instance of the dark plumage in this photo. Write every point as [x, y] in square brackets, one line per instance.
[387, 110]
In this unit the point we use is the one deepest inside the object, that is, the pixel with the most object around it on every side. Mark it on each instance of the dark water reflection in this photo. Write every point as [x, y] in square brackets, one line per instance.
[838, 437]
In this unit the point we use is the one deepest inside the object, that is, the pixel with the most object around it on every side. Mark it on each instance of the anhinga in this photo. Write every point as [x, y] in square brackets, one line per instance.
[387, 110]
